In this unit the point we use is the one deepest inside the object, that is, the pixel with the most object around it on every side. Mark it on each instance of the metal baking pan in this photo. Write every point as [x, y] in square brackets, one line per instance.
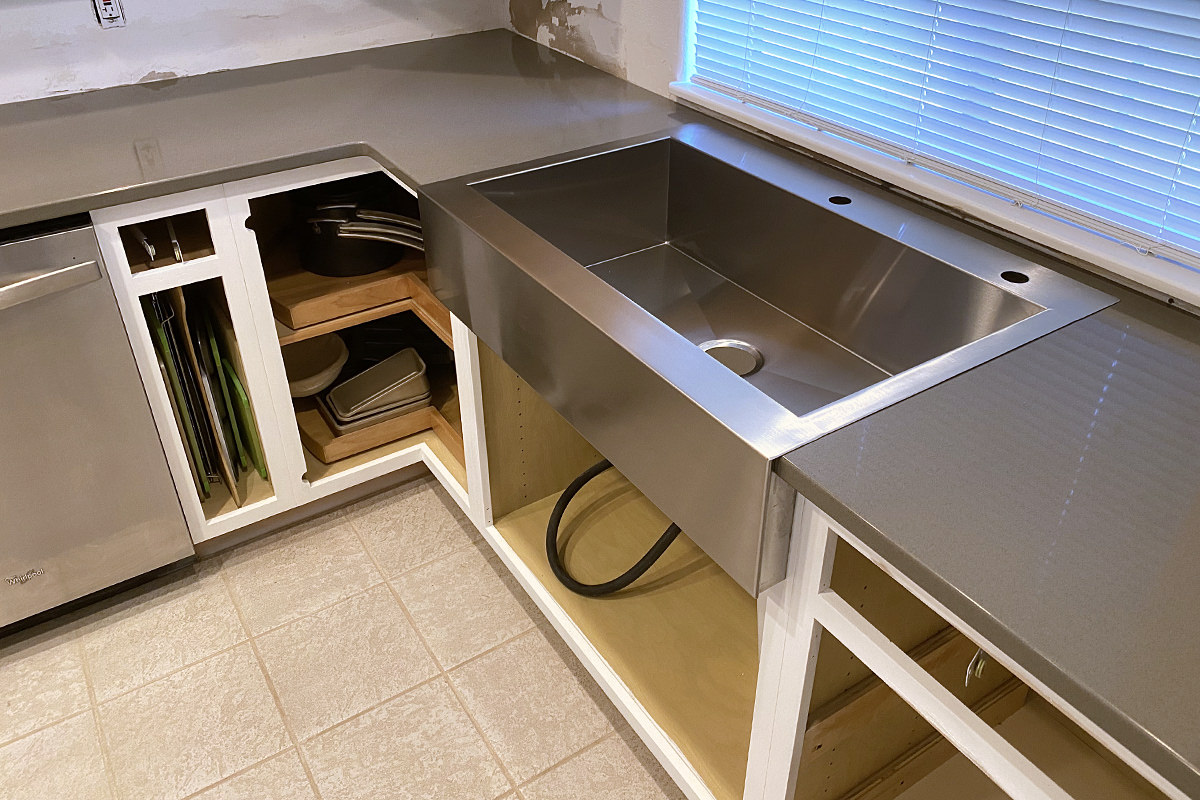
[341, 428]
[394, 381]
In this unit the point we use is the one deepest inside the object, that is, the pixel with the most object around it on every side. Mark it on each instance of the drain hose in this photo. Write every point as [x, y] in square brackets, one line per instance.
[622, 580]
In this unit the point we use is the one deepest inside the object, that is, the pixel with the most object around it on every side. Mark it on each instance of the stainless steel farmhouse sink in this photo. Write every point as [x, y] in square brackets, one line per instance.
[699, 303]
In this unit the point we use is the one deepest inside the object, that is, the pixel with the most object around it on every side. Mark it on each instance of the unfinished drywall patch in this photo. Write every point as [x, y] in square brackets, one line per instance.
[585, 29]
[639, 40]
[154, 76]
[53, 47]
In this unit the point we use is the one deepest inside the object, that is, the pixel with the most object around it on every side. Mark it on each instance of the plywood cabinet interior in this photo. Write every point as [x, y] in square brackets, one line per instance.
[684, 639]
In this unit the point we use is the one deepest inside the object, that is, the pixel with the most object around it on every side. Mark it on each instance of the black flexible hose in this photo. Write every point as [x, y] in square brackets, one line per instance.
[621, 581]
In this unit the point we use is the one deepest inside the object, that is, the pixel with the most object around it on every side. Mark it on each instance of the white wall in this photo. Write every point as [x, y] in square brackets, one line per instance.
[50, 47]
[639, 40]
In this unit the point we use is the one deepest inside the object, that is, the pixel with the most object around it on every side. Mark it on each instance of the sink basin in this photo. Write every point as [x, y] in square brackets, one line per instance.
[700, 302]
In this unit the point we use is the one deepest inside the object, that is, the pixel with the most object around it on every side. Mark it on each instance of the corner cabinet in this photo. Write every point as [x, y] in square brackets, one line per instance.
[169, 255]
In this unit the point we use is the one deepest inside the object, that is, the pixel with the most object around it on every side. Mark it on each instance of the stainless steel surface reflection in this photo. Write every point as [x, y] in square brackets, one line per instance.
[801, 369]
[598, 275]
[87, 499]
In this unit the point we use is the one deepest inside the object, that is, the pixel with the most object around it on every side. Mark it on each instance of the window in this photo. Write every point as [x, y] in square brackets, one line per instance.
[1083, 110]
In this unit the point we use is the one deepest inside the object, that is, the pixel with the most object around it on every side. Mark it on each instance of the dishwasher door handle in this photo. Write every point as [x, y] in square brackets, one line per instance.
[45, 283]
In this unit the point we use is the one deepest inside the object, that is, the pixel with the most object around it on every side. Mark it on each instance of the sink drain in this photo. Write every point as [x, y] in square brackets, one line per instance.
[741, 357]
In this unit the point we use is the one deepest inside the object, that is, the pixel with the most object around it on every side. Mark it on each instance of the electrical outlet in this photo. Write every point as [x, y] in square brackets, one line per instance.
[149, 158]
[109, 13]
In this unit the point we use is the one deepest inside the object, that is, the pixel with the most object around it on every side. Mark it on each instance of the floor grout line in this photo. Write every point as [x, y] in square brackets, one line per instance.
[248, 635]
[534, 626]
[444, 673]
[508, 776]
[474, 540]
[384, 578]
[71, 715]
[110, 778]
[41, 728]
[109, 772]
[313, 613]
[448, 554]
[568, 757]
[47, 727]
[172, 672]
[287, 726]
[237, 774]
[373, 707]
[490, 650]
[312, 781]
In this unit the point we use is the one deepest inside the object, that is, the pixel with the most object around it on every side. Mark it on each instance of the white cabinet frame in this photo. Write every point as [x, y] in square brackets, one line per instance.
[238, 264]
[130, 287]
[796, 613]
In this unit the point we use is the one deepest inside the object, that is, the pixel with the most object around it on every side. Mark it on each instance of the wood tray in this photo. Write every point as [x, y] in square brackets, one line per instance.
[416, 298]
[324, 443]
[299, 298]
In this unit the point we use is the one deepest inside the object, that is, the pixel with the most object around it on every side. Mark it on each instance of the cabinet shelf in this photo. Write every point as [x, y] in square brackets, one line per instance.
[418, 299]
[221, 502]
[307, 305]
[300, 298]
[1050, 742]
[318, 471]
[439, 426]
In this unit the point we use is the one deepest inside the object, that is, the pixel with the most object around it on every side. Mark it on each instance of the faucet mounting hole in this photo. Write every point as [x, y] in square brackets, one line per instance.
[1014, 277]
[840, 200]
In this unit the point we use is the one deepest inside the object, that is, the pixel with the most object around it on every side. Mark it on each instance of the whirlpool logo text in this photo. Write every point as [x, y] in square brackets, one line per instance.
[17, 580]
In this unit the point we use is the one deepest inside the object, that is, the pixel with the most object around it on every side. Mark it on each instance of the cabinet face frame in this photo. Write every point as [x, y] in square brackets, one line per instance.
[224, 265]
[238, 196]
[238, 264]
[795, 614]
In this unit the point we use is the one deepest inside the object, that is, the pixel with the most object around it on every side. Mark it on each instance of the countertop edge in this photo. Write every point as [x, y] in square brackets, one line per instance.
[176, 184]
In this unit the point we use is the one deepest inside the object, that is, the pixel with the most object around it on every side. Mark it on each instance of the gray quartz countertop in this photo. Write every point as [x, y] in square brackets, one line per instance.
[426, 111]
[1049, 498]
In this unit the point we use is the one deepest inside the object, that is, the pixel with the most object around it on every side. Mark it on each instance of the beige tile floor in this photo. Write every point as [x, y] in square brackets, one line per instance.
[378, 652]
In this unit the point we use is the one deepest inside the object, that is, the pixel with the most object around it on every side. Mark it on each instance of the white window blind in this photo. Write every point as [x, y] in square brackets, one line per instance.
[1083, 109]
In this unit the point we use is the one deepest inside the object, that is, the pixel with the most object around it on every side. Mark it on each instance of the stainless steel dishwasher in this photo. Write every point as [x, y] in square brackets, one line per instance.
[86, 499]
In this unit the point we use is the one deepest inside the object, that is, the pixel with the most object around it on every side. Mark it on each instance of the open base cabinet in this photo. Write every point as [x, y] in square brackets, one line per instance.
[937, 713]
[683, 641]
[843, 682]
[233, 250]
